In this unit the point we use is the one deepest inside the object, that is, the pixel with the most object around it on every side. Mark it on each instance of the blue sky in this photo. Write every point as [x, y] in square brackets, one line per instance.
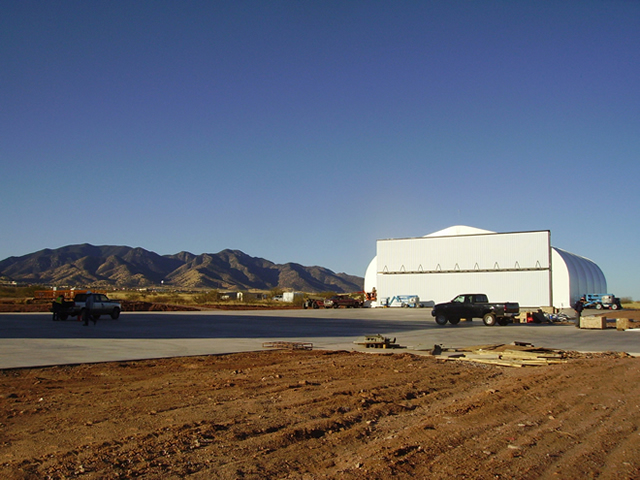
[302, 131]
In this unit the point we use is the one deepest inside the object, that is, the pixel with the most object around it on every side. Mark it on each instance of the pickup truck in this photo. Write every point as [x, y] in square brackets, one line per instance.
[101, 306]
[338, 301]
[475, 305]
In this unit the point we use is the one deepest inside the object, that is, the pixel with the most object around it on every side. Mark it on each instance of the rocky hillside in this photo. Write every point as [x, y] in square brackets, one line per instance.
[119, 266]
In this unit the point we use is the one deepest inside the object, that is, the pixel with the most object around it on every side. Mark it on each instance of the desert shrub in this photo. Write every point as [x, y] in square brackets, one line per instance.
[274, 292]
[134, 296]
[628, 302]
[170, 298]
[207, 297]
[20, 292]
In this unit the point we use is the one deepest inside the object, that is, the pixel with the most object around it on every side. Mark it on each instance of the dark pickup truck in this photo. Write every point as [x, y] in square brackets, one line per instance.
[475, 305]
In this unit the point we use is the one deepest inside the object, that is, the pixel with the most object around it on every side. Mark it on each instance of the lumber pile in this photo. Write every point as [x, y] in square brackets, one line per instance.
[289, 345]
[517, 354]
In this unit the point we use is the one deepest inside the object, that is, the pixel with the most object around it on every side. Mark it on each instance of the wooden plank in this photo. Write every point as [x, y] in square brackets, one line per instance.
[490, 361]
[479, 347]
[289, 345]
[505, 362]
[524, 354]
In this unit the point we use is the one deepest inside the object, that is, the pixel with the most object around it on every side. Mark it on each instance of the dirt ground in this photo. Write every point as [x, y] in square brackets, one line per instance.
[319, 415]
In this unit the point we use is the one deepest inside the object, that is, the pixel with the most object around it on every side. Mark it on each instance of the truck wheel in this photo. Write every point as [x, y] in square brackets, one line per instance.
[503, 321]
[441, 320]
[454, 321]
[598, 306]
[614, 306]
[116, 313]
[489, 319]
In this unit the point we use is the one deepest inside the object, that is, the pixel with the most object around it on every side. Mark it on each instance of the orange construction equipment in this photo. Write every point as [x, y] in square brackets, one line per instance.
[68, 294]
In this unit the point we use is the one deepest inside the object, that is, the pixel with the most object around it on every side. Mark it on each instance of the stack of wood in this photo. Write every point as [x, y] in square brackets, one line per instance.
[289, 345]
[518, 354]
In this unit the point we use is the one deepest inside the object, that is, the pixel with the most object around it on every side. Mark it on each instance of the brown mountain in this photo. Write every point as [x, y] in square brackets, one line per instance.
[121, 266]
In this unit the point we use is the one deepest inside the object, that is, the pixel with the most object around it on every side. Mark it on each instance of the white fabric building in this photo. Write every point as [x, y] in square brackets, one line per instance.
[520, 266]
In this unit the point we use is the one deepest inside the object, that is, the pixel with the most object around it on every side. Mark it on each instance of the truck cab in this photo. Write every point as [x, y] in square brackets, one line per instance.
[475, 305]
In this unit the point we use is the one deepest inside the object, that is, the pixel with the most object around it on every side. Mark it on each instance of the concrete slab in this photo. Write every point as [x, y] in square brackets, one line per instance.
[28, 339]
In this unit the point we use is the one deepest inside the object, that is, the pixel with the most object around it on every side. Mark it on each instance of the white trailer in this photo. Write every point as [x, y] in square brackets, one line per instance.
[292, 296]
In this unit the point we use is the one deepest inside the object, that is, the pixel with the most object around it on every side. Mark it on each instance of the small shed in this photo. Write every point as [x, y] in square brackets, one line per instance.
[292, 296]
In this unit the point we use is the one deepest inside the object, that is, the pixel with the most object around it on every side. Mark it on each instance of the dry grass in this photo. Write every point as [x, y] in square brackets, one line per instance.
[633, 305]
[180, 298]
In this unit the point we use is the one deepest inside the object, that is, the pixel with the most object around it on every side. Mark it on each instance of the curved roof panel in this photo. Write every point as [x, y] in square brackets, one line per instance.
[458, 230]
[584, 275]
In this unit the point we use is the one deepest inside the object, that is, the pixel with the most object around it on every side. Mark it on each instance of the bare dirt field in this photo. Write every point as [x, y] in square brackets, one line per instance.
[321, 414]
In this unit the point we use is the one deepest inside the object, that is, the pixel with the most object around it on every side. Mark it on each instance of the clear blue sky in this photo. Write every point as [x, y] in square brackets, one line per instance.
[302, 131]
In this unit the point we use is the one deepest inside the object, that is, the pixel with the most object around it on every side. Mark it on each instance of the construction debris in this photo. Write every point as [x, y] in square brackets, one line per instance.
[378, 341]
[289, 345]
[518, 354]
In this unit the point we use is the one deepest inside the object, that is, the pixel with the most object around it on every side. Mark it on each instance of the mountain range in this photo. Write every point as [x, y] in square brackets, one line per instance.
[127, 267]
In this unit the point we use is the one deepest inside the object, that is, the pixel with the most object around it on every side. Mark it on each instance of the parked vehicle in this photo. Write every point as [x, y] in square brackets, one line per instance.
[101, 306]
[313, 303]
[402, 301]
[475, 305]
[338, 301]
[602, 300]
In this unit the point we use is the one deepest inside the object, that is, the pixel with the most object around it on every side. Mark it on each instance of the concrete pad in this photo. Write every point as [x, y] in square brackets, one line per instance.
[28, 339]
